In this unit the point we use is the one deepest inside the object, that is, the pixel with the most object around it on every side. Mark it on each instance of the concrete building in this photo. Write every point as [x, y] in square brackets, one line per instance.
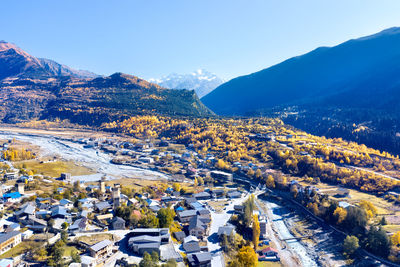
[263, 227]
[102, 186]
[20, 188]
[221, 176]
[9, 240]
[101, 250]
[201, 259]
[66, 177]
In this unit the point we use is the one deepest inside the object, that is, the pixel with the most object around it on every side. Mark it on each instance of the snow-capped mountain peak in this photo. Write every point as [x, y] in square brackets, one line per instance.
[202, 81]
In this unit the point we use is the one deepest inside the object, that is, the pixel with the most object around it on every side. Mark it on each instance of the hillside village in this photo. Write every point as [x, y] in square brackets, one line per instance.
[209, 212]
[168, 221]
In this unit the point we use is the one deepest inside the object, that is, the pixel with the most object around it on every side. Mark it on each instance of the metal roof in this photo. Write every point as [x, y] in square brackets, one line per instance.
[102, 244]
[7, 236]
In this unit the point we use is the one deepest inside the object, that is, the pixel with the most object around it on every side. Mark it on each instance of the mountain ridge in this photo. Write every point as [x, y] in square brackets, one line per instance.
[21, 64]
[329, 91]
[32, 88]
[321, 72]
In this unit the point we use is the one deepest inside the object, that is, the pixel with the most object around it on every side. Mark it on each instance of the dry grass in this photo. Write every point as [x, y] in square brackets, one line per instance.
[55, 168]
[21, 248]
[69, 250]
[392, 228]
[381, 205]
[93, 239]
[355, 197]
[217, 205]
[134, 183]
[269, 264]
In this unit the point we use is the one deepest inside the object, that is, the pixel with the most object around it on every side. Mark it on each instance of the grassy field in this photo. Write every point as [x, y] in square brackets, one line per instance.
[355, 197]
[137, 184]
[269, 264]
[54, 168]
[93, 239]
[392, 228]
[20, 249]
[380, 204]
[68, 250]
[132, 183]
[384, 207]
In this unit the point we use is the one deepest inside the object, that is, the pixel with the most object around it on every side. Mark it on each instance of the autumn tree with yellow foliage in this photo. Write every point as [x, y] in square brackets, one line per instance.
[247, 257]
[270, 183]
[340, 214]
[396, 239]
[369, 208]
[256, 231]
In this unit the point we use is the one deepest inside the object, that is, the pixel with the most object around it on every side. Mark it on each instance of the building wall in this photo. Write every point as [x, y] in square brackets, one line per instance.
[10, 243]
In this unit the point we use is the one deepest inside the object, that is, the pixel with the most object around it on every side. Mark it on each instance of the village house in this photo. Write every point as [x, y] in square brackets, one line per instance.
[9, 240]
[117, 223]
[197, 227]
[145, 243]
[186, 215]
[202, 196]
[226, 230]
[238, 208]
[34, 224]
[201, 259]
[66, 203]
[191, 246]
[268, 254]
[180, 235]
[234, 194]
[102, 206]
[148, 239]
[104, 219]
[189, 200]
[218, 193]
[25, 210]
[12, 197]
[59, 212]
[87, 261]
[66, 177]
[162, 232]
[101, 250]
[11, 175]
[80, 225]
[221, 176]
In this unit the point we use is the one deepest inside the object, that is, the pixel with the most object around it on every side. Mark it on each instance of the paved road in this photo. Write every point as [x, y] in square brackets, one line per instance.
[218, 220]
[371, 171]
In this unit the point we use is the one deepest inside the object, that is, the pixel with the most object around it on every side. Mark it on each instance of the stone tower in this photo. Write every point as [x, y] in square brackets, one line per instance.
[21, 188]
[102, 186]
[116, 195]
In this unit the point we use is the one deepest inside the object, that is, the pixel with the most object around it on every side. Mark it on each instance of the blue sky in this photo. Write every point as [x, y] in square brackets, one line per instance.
[152, 38]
